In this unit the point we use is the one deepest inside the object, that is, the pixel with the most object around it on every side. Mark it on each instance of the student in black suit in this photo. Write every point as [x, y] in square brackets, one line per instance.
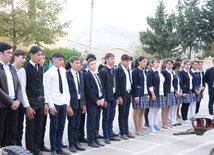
[188, 90]
[95, 97]
[77, 103]
[202, 84]
[123, 89]
[209, 79]
[107, 74]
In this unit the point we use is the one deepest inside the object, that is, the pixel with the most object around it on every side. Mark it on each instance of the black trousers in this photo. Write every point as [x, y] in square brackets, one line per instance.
[8, 126]
[197, 107]
[184, 110]
[34, 130]
[73, 127]
[43, 131]
[146, 116]
[21, 115]
[82, 126]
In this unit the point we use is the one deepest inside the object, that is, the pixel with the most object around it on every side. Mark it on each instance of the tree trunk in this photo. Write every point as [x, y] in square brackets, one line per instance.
[190, 52]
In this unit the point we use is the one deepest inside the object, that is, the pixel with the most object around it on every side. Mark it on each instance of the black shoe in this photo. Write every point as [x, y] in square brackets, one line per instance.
[114, 139]
[45, 149]
[107, 141]
[62, 152]
[115, 135]
[79, 147]
[100, 137]
[146, 125]
[38, 153]
[64, 145]
[98, 142]
[72, 149]
[178, 124]
[93, 145]
[130, 135]
[83, 140]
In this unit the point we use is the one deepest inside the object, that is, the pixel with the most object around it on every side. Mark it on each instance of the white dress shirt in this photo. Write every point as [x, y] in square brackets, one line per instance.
[190, 79]
[128, 83]
[76, 81]
[145, 82]
[98, 86]
[10, 84]
[51, 87]
[171, 82]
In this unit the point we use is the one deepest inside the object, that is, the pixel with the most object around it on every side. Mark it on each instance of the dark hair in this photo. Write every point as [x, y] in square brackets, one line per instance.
[194, 61]
[178, 59]
[136, 63]
[200, 61]
[141, 58]
[90, 60]
[35, 49]
[186, 61]
[90, 55]
[56, 54]
[176, 64]
[108, 55]
[168, 60]
[125, 57]
[148, 62]
[74, 58]
[43, 53]
[155, 59]
[5, 46]
[19, 52]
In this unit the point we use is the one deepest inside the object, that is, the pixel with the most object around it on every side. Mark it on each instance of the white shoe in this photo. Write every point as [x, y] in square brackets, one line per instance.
[187, 121]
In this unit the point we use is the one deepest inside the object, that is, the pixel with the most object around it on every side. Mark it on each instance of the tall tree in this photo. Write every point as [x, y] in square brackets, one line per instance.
[160, 40]
[188, 26]
[32, 21]
[207, 28]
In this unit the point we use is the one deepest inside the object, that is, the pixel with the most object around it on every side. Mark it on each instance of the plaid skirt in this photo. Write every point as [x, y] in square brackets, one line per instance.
[198, 98]
[188, 99]
[158, 103]
[143, 104]
[179, 100]
[170, 100]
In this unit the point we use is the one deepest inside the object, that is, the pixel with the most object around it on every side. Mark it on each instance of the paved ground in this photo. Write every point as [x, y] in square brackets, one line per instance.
[161, 143]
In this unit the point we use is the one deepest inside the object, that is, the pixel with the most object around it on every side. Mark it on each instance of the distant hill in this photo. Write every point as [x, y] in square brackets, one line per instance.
[104, 38]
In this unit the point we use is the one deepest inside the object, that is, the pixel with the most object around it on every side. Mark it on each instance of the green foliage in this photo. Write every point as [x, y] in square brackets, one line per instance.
[160, 40]
[32, 21]
[67, 54]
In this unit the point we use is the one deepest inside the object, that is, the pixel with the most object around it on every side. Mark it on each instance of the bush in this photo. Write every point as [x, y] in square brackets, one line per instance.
[67, 54]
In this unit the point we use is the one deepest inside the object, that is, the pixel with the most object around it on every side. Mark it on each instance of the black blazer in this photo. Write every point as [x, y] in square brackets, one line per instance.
[209, 77]
[167, 83]
[138, 83]
[74, 103]
[120, 82]
[196, 79]
[91, 89]
[154, 81]
[186, 82]
[108, 82]
[175, 82]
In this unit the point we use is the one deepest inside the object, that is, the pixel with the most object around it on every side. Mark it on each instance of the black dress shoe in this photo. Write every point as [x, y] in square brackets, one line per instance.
[79, 147]
[38, 153]
[64, 145]
[100, 137]
[114, 139]
[72, 149]
[98, 142]
[107, 141]
[115, 135]
[45, 149]
[62, 152]
[53, 153]
[83, 140]
[93, 145]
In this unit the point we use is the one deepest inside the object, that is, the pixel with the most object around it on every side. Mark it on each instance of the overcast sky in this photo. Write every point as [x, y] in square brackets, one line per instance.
[127, 14]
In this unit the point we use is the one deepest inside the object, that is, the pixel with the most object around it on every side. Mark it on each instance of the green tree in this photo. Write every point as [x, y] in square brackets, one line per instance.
[188, 26]
[207, 28]
[160, 40]
[32, 21]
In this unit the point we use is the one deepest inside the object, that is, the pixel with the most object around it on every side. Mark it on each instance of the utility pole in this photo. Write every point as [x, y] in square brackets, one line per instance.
[90, 37]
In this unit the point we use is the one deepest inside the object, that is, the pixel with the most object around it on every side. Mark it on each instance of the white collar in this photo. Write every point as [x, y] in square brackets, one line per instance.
[124, 68]
[73, 71]
[169, 71]
[93, 71]
[185, 70]
[33, 63]
[155, 70]
[194, 71]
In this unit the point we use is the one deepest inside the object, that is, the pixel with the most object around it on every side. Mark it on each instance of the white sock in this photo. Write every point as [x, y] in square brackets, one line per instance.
[156, 116]
[151, 116]
[192, 109]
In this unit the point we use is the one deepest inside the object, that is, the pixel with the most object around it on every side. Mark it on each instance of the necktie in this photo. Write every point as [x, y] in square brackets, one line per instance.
[60, 82]
[98, 80]
[78, 82]
[36, 66]
[129, 75]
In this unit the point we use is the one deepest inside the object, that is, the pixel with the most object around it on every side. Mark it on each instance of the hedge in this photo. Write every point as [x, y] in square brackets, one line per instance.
[67, 54]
